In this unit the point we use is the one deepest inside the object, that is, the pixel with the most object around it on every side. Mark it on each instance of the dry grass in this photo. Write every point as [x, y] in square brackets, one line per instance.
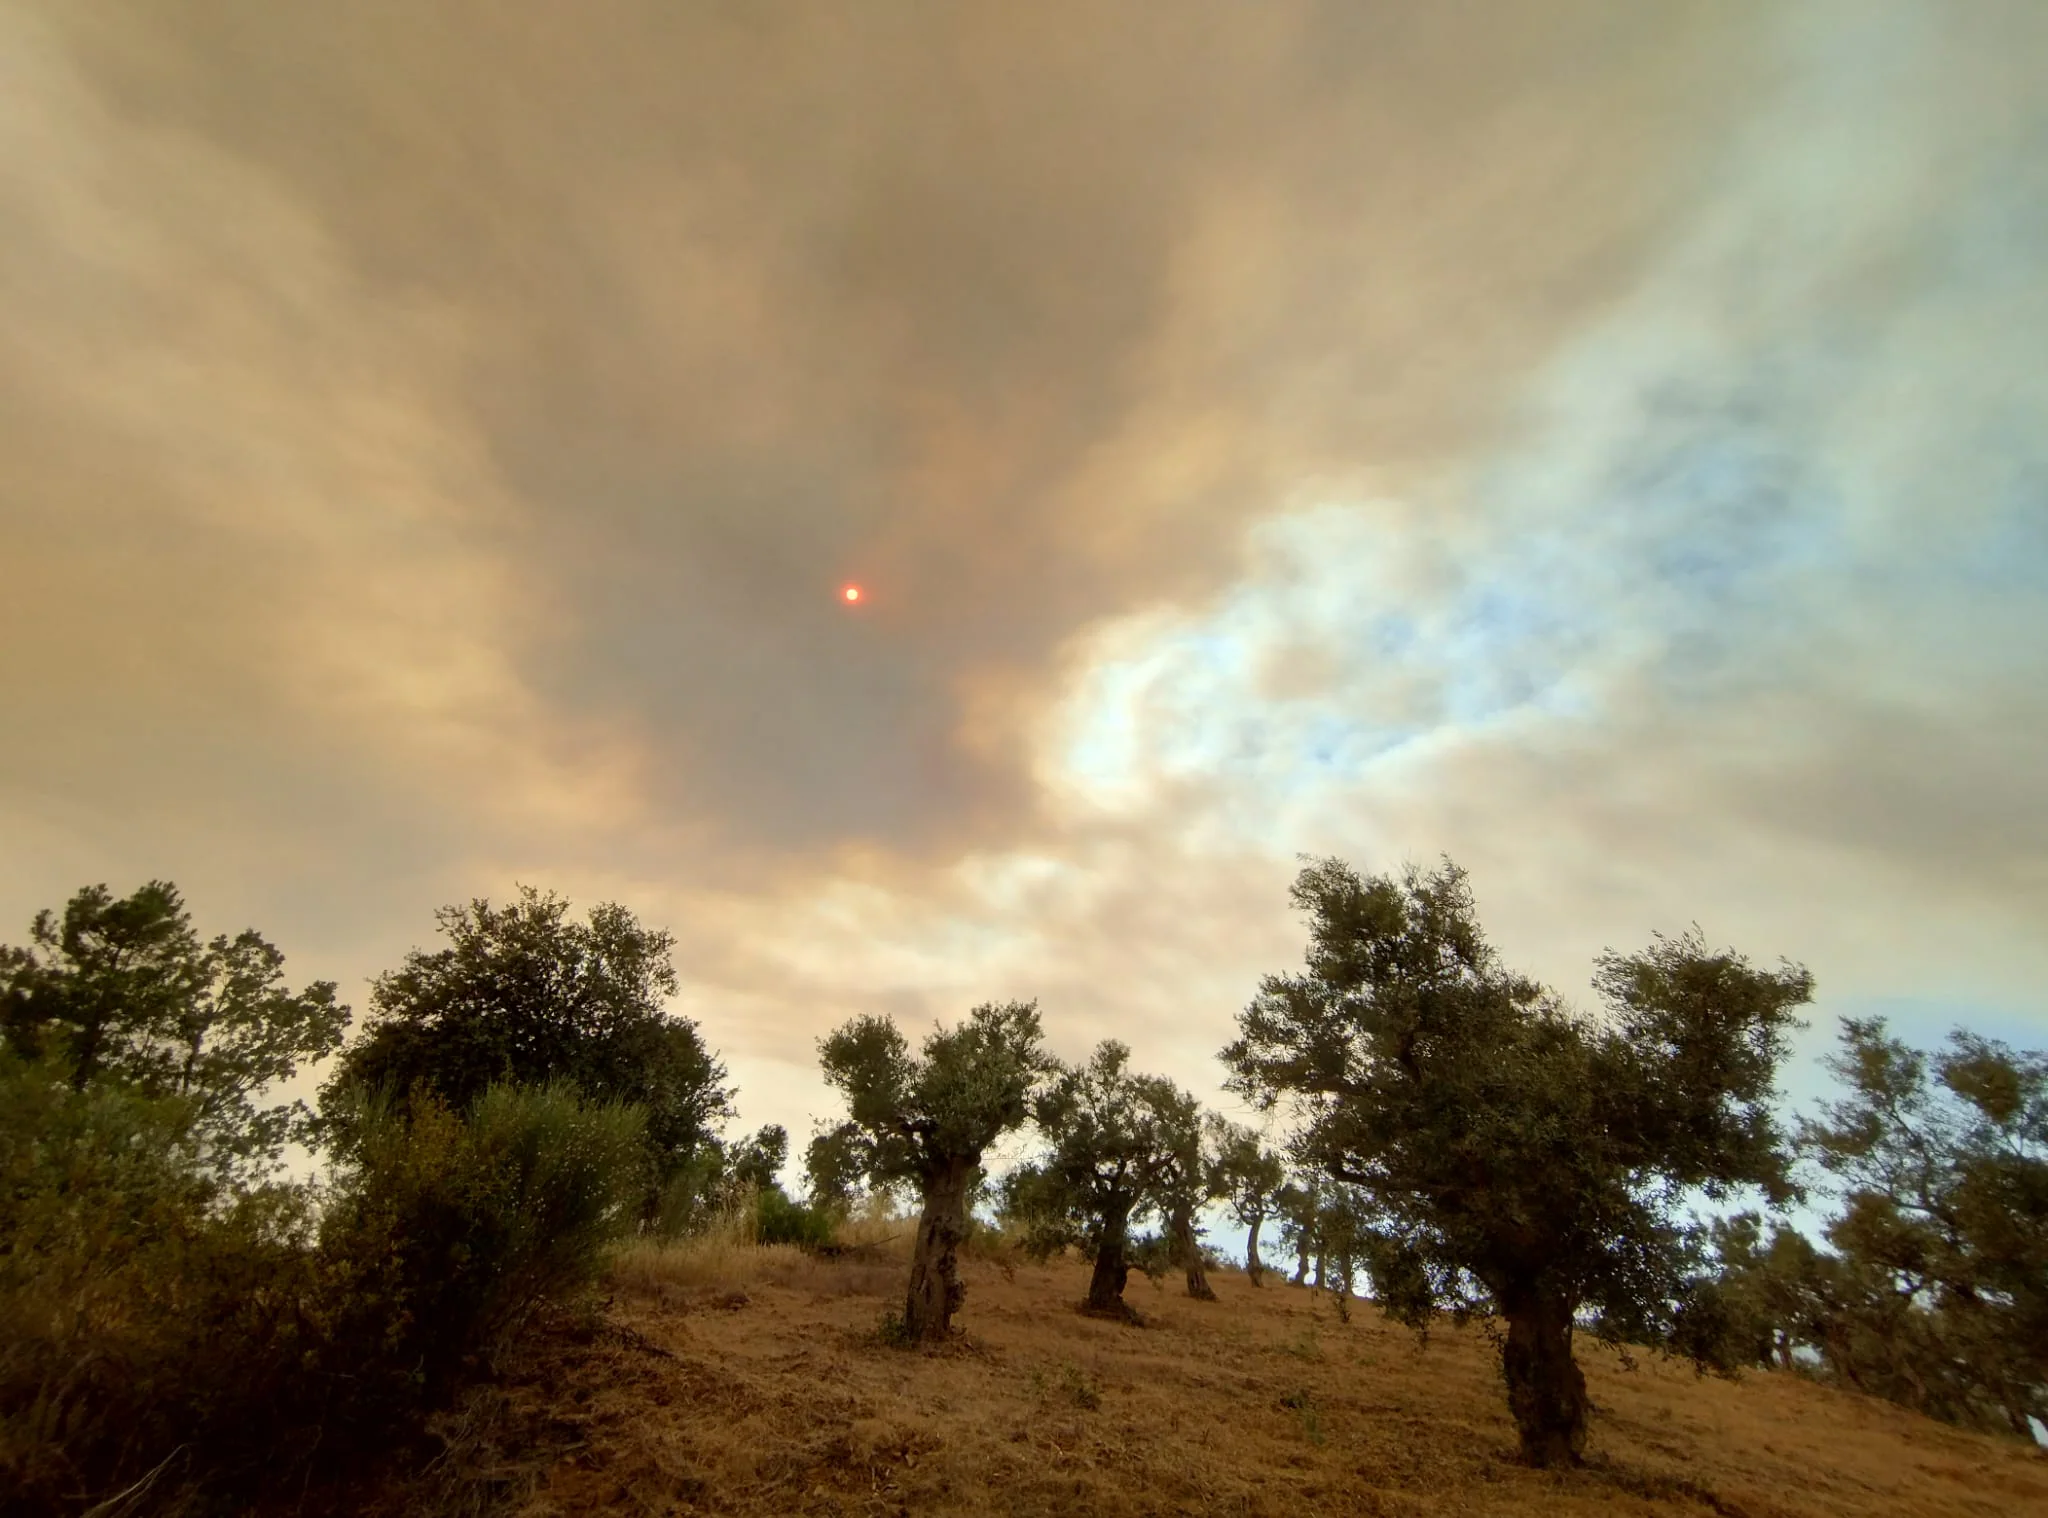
[722, 1381]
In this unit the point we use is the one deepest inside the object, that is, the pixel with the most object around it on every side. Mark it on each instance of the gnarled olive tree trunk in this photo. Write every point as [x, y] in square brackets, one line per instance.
[1112, 1264]
[1546, 1390]
[1254, 1267]
[935, 1289]
[1190, 1252]
[1301, 1261]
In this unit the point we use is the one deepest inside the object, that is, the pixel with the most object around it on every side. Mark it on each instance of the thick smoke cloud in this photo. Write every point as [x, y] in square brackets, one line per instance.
[1597, 440]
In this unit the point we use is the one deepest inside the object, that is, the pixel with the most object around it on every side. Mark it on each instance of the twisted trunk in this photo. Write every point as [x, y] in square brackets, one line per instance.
[1254, 1267]
[1190, 1254]
[1112, 1267]
[1546, 1390]
[935, 1291]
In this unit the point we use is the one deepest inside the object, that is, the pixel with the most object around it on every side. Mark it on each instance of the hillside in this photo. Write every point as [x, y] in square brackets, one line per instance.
[754, 1382]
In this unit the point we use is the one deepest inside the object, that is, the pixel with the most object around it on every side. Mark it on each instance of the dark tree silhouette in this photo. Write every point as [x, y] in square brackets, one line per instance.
[926, 1120]
[1518, 1159]
[524, 994]
[835, 1170]
[755, 1161]
[125, 991]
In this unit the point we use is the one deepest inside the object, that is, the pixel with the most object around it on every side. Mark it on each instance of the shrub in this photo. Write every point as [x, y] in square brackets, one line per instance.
[158, 1325]
[143, 1308]
[778, 1220]
[442, 1233]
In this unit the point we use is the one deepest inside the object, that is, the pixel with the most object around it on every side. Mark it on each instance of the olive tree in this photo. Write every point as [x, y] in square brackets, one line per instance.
[1299, 1205]
[1941, 1277]
[1188, 1184]
[1248, 1177]
[1517, 1159]
[1114, 1148]
[925, 1120]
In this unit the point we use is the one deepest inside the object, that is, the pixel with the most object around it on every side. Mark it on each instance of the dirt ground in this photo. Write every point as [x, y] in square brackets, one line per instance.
[760, 1385]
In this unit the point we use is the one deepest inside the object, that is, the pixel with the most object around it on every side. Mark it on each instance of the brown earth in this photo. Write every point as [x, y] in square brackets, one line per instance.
[755, 1382]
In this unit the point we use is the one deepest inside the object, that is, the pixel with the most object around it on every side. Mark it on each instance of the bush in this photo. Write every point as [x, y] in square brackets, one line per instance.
[143, 1309]
[442, 1233]
[157, 1325]
[778, 1220]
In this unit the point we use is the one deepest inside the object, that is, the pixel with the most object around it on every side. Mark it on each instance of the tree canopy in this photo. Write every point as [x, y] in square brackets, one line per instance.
[757, 1159]
[1115, 1144]
[925, 1120]
[524, 994]
[1518, 1159]
[1248, 1176]
[125, 991]
[1938, 1294]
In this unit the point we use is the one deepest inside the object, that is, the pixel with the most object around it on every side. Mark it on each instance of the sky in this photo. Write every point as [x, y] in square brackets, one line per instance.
[1603, 443]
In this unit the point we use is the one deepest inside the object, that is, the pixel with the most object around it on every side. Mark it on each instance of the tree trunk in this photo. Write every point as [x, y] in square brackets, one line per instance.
[1254, 1267]
[935, 1290]
[1301, 1261]
[1190, 1254]
[1112, 1269]
[1546, 1390]
[1322, 1268]
[1784, 1350]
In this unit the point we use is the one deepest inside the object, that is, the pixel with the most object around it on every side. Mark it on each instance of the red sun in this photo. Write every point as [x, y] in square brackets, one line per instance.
[850, 595]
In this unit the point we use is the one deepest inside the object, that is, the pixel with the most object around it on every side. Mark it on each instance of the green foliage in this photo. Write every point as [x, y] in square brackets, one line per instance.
[124, 991]
[891, 1332]
[1115, 1145]
[1501, 1143]
[1767, 1294]
[1118, 1147]
[835, 1168]
[523, 995]
[443, 1232]
[1298, 1204]
[924, 1120]
[1516, 1158]
[756, 1161]
[146, 1308]
[152, 1313]
[911, 1114]
[1938, 1293]
[779, 1220]
[1247, 1174]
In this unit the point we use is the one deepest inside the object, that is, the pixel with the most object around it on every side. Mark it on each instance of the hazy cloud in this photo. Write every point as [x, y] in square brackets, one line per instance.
[1599, 441]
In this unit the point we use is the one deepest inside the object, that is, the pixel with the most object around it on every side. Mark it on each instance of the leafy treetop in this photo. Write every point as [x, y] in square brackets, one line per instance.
[125, 991]
[911, 1113]
[1114, 1147]
[1942, 1163]
[1519, 1159]
[522, 993]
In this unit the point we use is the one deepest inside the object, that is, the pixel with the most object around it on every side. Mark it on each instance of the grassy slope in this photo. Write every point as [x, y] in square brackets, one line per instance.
[685, 1399]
